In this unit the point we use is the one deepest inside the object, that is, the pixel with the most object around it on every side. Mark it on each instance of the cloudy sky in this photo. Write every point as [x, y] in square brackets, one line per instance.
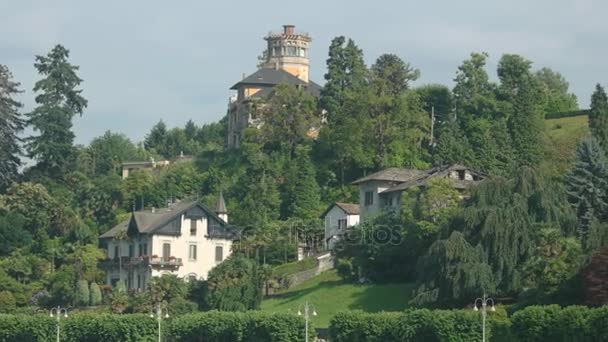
[143, 61]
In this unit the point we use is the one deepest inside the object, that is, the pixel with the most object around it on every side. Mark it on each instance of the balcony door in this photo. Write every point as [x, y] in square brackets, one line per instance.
[166, 250]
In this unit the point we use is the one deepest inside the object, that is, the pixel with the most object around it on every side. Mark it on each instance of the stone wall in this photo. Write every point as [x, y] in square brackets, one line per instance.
[325, 262]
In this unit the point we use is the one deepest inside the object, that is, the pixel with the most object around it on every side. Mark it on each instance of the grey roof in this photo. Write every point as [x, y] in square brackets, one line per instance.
[269, 77]
[220, 206]
[348, 208]
[391, 174]
[436, 172]
[157, 221]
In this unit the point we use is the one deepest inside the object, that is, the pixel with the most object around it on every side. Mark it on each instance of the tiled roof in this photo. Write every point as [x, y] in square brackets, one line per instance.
[268, 78]
[392, 174]
[349, 208]
[149, 222]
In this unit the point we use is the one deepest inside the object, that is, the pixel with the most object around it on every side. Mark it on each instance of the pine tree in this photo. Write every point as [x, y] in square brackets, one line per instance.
[156, 140]
[10, 126]
[522, 91]
[58, 102]
[95, 294]
[598, 116]
[302, 191]
[587, 185]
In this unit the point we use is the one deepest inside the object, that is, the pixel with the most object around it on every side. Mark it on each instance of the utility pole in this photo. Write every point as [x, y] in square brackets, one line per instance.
[432, 125]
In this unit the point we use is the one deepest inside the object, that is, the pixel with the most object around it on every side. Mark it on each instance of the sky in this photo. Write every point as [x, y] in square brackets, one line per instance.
[143, 61]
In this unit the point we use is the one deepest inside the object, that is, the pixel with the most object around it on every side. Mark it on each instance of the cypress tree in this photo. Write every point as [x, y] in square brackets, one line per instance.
[58, 102]
[83, 296]
[95, 294]
[10, 126]
[587, 184]
[598, 116]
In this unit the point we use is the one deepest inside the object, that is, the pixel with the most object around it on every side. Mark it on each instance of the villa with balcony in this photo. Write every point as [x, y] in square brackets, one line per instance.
[186, 239]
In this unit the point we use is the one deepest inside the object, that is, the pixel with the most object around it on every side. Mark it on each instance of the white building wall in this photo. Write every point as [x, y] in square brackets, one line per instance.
[368, 211]
[331, 224]
[180, 248]
[180, 245]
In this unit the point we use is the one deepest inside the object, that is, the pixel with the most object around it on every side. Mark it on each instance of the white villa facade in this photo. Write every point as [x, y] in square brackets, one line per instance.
[186, 239]
[381, 191]
[337, 218]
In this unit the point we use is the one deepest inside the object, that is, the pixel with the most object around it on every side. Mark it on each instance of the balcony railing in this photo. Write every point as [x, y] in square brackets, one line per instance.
[152, 261]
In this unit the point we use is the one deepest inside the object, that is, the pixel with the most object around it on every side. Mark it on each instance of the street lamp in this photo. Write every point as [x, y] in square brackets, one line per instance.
[306, 307]
[57, 312]
[484, 303]
[159, 317]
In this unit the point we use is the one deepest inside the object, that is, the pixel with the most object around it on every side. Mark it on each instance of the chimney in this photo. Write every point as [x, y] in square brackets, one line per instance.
[288, 29]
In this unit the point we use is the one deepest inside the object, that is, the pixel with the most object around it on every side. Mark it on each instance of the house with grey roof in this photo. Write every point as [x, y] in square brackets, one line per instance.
[381, 191]
[285, 61]
[337, 218]
[186, 239]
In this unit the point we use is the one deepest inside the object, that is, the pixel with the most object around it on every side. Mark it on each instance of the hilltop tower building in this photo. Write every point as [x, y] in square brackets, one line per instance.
[285, 61]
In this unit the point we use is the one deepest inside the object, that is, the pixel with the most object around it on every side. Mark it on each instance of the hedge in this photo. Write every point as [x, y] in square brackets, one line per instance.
[212, 326]
[411, 325]
[238, 326]
[532, 324]
[556, 324]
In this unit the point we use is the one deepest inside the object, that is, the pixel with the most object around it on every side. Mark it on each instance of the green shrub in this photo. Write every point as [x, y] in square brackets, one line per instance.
[7, 302]
[109, 328]
[26, 328]
[250, 326]
[83, 296]
[412, 325]
[95, 295]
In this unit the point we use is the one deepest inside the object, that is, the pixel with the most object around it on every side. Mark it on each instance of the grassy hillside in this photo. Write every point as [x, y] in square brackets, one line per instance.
[330, 295]
[562, 136]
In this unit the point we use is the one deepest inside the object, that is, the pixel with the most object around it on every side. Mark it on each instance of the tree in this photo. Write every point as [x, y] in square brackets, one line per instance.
[58, 102]
[119, 298]
[556, 260]
[302, 191]
[13, 234]
[346, 71]
[394, 74]
[96, 297]
[437, 99]
[555, 88]
[83, 296]
[501, 212]
[234, 285]
[595, 278]
[598, 116]
[156, 140]
[190, 130]
[452, 271]
[522, 91]
[11, 124]
[289, 115]
[107, 152]
[587, 184]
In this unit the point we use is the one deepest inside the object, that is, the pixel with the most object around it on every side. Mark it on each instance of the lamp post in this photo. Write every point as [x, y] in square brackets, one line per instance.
[57, 312]
[483, 304]
[306, 308]
[159, 318]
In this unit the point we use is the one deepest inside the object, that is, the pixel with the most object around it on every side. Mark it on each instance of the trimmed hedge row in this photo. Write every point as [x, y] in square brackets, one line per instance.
[208, 326]
[236, 327]
[532, 324]
[411, 325]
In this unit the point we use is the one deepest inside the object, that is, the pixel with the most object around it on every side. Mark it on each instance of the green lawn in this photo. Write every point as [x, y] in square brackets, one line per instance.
[330, 295]
[562, 136]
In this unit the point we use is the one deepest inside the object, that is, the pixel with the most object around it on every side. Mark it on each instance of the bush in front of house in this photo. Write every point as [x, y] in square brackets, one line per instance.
[109, 328]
